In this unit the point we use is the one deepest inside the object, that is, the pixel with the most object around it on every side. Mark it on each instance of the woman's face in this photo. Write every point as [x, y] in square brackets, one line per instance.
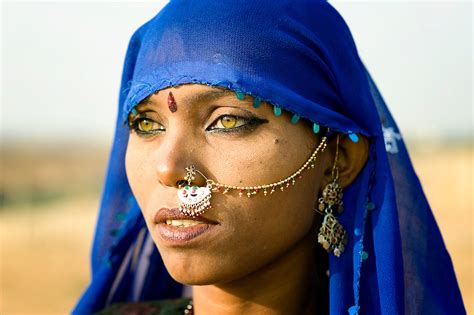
[233, 143]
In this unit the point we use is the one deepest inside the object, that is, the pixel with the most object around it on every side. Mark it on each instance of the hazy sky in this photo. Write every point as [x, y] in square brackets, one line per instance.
[62, 63]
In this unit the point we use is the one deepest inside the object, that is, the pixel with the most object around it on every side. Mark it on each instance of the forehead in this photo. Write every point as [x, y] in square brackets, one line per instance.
[187, 93]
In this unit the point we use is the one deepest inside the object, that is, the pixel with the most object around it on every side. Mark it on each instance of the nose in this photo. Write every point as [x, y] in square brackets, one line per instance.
[173, 156]
[175, 176]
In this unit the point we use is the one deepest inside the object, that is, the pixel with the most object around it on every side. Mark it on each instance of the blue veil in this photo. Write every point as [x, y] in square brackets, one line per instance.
[297, 55]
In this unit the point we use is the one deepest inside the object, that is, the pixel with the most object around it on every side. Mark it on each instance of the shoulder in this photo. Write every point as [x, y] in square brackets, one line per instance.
[161, 307]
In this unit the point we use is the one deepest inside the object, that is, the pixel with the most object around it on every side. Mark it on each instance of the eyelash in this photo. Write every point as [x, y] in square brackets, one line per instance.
[250, 123]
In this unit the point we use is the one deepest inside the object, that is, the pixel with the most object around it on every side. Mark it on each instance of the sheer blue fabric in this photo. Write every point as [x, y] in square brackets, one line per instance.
[298, 55]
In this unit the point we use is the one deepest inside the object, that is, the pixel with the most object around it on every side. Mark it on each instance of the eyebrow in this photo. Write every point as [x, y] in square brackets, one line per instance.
[195, 98]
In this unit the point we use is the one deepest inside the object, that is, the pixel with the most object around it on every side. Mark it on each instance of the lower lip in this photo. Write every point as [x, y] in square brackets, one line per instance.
[174, 235]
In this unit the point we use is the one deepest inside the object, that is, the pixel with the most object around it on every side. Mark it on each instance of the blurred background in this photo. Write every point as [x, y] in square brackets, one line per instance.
[61, 64]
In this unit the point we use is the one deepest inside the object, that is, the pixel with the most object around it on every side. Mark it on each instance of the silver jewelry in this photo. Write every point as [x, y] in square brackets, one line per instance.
[332, 235]
[195, 200]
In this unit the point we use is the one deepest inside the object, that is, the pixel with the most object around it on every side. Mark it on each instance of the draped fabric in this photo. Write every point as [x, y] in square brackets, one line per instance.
[300, 56]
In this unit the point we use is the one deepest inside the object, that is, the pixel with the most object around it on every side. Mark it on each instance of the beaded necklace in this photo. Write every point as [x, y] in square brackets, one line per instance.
[189, 308]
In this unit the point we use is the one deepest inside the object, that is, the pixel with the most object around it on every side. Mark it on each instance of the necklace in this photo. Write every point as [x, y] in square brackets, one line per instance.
[189, 308]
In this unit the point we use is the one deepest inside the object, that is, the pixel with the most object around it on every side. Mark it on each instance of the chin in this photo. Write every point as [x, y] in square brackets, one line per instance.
[192, 270]
[188, 279]
[193, 276]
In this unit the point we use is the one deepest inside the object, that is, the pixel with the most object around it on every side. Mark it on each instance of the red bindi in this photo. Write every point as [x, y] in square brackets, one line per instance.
[172, 103]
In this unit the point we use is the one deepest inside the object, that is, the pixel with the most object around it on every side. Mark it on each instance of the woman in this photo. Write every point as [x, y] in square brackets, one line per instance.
[256, 164]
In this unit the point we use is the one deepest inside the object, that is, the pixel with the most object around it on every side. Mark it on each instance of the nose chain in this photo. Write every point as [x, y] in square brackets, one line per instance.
[195, 200]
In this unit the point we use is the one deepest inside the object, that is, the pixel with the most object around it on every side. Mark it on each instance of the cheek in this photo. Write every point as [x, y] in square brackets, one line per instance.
[271, 225]
[137, 168]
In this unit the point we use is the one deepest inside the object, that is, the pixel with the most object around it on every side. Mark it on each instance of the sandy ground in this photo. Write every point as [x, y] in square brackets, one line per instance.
[45, 248]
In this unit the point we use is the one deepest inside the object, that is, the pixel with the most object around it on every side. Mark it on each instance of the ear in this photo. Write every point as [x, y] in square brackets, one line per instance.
[351, 158]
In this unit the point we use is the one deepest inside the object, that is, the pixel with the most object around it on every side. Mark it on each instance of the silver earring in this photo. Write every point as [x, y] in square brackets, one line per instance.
[332, 235]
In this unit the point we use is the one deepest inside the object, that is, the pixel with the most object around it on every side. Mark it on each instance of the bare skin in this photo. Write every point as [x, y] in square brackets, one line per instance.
[260, 258]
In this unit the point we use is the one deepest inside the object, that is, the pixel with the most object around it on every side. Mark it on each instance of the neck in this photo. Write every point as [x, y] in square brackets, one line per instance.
[289, 285]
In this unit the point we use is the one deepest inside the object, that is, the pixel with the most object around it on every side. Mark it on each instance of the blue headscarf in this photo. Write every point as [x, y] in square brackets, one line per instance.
[299, 56]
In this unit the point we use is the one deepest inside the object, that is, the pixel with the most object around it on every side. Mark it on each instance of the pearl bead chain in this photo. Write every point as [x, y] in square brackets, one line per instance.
[252, 190]
[189, 308]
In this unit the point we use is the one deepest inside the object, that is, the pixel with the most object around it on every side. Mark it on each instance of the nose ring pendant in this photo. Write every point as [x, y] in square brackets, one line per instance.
[195, 200]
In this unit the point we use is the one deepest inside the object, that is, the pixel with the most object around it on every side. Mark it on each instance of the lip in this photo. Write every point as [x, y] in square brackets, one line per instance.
[179, 236]
[174, 214]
